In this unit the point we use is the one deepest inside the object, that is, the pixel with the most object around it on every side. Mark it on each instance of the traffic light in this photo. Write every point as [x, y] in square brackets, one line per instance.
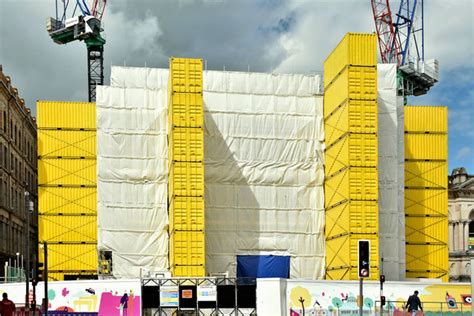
[363, 268]
[382, 300]
[38, 273]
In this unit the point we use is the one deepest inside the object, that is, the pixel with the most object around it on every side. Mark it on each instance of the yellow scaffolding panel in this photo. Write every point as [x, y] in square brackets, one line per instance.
[66, 143]
[358, 83]
[426, 195]
[66, 115]
[351, 155]
[357, 49]
[186, 178]
[67, 203]
[357, 150]
[353, 116]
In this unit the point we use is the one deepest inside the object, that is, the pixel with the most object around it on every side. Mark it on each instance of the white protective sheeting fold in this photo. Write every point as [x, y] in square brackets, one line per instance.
[132, 155]
[263, 163]
[391, 230]
[263, 170]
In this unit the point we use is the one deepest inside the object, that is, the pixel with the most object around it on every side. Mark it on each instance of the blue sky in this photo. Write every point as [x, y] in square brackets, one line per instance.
[260, 35]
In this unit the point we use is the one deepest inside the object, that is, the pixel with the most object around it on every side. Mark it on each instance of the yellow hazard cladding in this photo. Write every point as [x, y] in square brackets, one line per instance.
[354, 49]
[71, 258]
[358, 217]
[435, 119]
[187, 253]
[426, 174]
[186, 110]
[426, 196]
[187, 144]
[67, 172]
[186, 213]
[342, 257]
[353, 83]
[67, 228]
[357, 150]
[66, 200]
[353, 116]
[66, 143]
[186, 75]
[65, 115]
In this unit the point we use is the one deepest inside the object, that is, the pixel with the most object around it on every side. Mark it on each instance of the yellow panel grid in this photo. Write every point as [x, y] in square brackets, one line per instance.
[427, 261]
[354, 116]
[356, 217]
[342, 257]
[358, 150]
[71, 257]
[353, 83]
[187, 144]
[187, 248]
[64, 200]
[426, 174]
[426, 146]
[422, 202]
[186, 179]
[65, 115]
[186, 75]
[187, 213]
[353, 183]
[426, 119]
[54, 143]
[356, 49]
[186, 110]
[67, 172]
[66, 228]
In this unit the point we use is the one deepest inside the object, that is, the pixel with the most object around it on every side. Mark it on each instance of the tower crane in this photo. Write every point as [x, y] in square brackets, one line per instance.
[401, 40]
[85, 26]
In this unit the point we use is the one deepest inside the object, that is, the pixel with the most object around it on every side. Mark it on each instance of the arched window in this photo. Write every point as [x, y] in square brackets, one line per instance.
[471, 230]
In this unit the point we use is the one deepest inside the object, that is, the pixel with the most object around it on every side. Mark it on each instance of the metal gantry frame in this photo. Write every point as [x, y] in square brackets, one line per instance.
[95, 74]
[216, 310]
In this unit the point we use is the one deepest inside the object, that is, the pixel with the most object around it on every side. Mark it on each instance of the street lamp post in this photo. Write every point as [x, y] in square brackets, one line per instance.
[29, 209]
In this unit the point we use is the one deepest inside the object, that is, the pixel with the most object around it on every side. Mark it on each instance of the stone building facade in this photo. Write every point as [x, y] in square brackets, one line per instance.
[461, 224]
[18, 174]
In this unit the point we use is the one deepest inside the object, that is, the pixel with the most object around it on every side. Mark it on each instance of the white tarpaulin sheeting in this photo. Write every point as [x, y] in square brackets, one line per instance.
[264, 170]
[391, 212]
[263, 167]
[132, 155]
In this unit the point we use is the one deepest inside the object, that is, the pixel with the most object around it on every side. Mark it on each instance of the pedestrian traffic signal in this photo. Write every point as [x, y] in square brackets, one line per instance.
[38, 273]
[363, 268]
[382, 300]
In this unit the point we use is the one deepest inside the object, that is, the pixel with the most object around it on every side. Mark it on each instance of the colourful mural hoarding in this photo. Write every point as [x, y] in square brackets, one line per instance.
[85, 298]
[334, 298]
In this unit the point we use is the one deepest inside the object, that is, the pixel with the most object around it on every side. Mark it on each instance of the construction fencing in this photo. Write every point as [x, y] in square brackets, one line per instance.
[199, 296]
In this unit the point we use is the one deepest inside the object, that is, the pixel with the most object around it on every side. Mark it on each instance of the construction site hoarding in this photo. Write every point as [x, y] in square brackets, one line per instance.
[67, 205]
[426, 199]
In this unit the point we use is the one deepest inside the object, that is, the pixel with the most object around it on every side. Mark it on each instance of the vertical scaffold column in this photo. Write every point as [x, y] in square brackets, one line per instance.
[186, 157]
[67, 190]
[351, 185]
[426, 192]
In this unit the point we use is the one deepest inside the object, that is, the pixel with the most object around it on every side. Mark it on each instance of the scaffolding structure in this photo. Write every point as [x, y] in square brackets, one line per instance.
[67, 214]
[351, 185]
[426, 192]
[186, 167]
